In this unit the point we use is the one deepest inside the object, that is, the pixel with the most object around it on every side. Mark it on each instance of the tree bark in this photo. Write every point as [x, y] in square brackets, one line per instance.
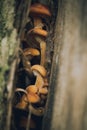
[67, 103]
[13, 16]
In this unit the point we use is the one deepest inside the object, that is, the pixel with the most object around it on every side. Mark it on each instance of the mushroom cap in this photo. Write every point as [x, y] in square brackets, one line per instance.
[23, 103]
[31, 51]
[33, 98]
[40, 10]
[40, 69]
[39, 81]
[32, 89]
[40, 32]
[43, 90]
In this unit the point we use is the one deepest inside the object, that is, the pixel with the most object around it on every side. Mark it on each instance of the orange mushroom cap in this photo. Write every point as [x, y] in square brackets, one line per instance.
[23, 103]
[32, 89]
[31, 51]
[40, 69]
[40, 32]
[39, 9]
[33, 98]
[43, 90]
[39, 81]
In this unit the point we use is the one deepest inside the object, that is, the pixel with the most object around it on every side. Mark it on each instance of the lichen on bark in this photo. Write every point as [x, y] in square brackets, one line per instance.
[8, 45]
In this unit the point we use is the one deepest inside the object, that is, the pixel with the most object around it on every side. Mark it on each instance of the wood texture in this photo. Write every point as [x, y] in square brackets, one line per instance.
[67, 103]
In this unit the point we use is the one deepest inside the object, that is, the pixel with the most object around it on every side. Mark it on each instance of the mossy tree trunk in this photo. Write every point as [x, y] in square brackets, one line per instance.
[13, 16]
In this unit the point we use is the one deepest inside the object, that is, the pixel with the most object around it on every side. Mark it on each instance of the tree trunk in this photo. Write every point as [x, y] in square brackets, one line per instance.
[13, 16]
[66, 106]
[67, 103]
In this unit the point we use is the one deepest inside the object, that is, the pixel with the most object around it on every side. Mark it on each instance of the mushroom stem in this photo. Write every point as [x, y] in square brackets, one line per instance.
[38, 22]
[43, 50]
[28, 121]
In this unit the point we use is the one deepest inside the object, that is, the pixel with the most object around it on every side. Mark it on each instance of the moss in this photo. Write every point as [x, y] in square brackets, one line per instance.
[6, 16]
[8, 44]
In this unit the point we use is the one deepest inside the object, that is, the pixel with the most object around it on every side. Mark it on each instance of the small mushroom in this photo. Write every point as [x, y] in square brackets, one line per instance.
[38, 11]
[33, 98]
[28, 54]
[31, 52]
[23, 103]
[40, 72]
[32, 89]
[38, 31]
[43, 90]
[40, 69]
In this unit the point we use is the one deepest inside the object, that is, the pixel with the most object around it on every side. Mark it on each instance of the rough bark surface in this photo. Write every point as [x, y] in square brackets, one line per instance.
[67, 104]
[8, 43]
[13, 16]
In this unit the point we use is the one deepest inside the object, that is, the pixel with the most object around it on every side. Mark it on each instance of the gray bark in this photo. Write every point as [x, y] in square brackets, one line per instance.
[67, 103]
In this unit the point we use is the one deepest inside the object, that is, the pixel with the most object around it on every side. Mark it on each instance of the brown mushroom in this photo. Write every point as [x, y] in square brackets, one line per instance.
[31, 52]
[37, 11]
[43, 90]
[40, 69]
[40, 72]
[23, 103]
[33, 98]
[32, 89]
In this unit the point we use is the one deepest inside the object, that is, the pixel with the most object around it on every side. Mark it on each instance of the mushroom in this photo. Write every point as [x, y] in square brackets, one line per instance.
[40, 69]
[38, 11]
[33, 98]
[23, 102]
[40, 72]
[31, 52]
[43, 90]
[32, 89]
[38, 33]
[28, 97]
[28, 54]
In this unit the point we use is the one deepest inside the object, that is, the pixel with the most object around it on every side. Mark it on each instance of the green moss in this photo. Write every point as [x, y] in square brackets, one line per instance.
[6, 16]
[8, 44]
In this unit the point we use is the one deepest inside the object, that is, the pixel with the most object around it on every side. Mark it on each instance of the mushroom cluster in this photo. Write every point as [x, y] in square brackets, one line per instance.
[33, 55]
